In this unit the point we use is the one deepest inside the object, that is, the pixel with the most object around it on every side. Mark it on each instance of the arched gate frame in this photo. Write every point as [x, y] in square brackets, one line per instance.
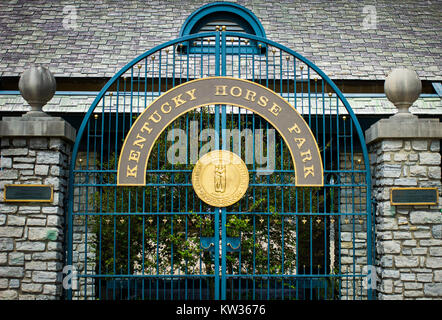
[160, 241]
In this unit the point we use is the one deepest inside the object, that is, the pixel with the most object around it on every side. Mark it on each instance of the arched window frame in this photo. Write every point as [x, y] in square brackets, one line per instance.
[229, 11]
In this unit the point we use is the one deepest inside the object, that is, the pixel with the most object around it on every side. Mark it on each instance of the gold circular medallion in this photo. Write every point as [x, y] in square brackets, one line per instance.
[220, 178]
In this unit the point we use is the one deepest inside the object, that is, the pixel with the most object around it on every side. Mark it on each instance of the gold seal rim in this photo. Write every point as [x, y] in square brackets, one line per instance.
[219, 200]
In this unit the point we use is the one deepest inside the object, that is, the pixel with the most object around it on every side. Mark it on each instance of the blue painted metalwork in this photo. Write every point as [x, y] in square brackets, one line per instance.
[217, 10]
[223, 11]
[438, 88]
[279, 242]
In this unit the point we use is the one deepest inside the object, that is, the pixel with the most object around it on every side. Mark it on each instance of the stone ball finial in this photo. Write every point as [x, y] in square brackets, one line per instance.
[37, 86]
[402, 87]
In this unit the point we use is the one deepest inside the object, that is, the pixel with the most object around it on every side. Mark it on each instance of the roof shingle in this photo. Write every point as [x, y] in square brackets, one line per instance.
[110, 33]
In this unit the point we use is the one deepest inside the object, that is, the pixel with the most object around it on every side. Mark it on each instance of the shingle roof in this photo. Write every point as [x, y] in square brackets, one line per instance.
[80, 103]
[110, 33]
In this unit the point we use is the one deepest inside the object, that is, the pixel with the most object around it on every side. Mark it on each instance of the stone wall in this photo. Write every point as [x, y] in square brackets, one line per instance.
[353, 227]
[84, 244]
[409, 238]
[31, 234]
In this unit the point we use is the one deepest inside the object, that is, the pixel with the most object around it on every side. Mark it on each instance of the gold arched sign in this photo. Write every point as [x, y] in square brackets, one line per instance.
[165, 109]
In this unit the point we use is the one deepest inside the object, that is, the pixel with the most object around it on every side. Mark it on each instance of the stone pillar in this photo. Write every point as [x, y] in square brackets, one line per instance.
[35, 149]
[31, 233]
[405, 152]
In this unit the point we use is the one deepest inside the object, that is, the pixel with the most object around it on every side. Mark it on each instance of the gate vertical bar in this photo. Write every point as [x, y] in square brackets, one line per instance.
[217, 271]
[223, 147]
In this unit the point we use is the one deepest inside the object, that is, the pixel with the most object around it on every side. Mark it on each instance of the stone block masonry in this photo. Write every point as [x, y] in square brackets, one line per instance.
[32, 233]
[408, 238]
[84, 244]
[352, 233]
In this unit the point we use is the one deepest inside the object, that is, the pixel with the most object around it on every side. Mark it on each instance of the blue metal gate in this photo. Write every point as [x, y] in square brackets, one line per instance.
[160, 241]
